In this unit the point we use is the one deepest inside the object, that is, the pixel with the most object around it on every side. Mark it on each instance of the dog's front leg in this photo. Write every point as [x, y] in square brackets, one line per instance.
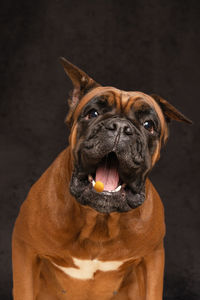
[154, 269]
[26, 267]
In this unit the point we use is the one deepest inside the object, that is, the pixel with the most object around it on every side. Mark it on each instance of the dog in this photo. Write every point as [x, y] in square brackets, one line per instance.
[72, 242]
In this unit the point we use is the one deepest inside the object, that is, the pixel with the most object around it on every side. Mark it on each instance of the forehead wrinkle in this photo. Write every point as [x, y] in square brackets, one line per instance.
[130, 102]
[124, 98]
[97, 92]
[113, 97]
[118, 101]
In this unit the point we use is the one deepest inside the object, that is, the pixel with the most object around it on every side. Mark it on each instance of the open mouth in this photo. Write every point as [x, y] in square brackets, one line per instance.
[107, 172]
[118, 193]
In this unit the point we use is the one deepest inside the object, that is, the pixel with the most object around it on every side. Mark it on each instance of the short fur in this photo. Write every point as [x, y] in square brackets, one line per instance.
[57, 234]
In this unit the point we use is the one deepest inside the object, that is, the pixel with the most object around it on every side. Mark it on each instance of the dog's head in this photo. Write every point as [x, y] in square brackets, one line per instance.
[116, 137]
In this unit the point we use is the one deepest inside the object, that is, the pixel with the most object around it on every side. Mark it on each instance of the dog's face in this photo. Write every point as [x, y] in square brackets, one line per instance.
[116, 138]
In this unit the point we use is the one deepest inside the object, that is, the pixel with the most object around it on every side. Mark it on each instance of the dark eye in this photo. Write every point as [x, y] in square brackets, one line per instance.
[149, 125]
[93, 113]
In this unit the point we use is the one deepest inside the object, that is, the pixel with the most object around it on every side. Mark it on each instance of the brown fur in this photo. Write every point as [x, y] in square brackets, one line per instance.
[45, 232]
[52, 227]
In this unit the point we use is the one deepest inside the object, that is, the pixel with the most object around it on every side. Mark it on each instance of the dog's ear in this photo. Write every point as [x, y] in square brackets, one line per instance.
[82, 83]
[169, 111]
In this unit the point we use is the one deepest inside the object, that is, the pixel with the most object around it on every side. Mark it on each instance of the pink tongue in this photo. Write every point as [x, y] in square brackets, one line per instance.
[109, 177]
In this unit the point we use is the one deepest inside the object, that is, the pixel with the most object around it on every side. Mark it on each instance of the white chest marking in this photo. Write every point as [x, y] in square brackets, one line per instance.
[87, 268]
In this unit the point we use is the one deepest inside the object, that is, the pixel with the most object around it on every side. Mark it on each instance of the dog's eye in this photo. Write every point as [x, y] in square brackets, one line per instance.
[93, 113]
[149, 125]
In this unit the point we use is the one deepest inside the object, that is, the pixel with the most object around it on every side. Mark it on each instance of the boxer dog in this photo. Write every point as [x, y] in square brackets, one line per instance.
[71, 242]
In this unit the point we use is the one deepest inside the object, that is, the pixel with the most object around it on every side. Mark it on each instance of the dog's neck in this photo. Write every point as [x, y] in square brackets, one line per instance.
[91, 229]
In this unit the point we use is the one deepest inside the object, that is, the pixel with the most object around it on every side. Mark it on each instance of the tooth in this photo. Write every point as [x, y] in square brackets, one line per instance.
[117, 189]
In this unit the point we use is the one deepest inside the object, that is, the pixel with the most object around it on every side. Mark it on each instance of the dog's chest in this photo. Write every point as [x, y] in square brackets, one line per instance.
[85, 269]
[83, 279]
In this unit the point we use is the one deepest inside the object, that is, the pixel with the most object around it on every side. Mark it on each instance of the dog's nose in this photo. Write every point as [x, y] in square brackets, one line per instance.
[119, 125]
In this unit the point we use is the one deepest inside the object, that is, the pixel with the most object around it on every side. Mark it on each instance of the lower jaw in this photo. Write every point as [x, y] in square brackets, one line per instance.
[107, 202]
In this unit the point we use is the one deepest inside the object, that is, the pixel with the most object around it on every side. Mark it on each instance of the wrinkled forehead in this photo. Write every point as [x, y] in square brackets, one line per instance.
[122, 100]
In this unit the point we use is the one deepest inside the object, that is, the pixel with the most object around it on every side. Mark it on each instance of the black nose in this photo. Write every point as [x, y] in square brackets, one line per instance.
[119, 125]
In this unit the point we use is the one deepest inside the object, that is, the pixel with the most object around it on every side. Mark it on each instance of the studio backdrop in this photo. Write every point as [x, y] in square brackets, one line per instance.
[150, 46]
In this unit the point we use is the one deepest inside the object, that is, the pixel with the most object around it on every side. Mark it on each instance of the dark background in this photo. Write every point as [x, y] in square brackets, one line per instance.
[151, 46]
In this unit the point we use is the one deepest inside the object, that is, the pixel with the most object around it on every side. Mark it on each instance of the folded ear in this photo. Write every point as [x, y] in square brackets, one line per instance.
[169, 111]
[82, 83]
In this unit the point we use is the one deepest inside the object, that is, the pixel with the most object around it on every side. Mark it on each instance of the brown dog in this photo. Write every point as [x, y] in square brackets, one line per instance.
[72, 242]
